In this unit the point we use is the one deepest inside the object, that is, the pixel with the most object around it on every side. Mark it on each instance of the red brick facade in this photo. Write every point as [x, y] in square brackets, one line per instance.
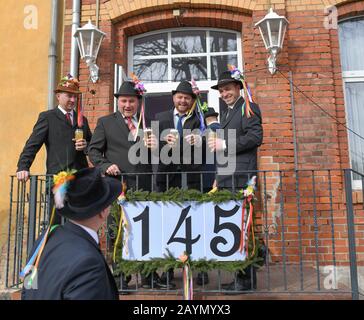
[311, 53]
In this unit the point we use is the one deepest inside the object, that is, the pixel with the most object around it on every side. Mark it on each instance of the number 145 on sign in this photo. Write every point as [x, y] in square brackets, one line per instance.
[205, 231]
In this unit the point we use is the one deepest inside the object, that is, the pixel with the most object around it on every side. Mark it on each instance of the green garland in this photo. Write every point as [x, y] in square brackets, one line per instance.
[178, 196]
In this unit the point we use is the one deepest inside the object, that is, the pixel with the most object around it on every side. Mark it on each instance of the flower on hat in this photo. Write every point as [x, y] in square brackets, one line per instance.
[61, 182]
[68, 80]
[138, 85]
[235, 72]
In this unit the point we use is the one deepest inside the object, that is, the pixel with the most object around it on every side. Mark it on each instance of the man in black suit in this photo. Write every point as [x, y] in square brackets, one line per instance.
[113, 138]
[72, 266]
[56, 129]
[240, 150]
[190, 148]
[188, 144]
[57, 133]
[112, 147]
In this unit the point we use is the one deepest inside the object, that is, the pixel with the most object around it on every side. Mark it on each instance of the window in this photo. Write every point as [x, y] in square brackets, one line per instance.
[351, 38]
[162, 59]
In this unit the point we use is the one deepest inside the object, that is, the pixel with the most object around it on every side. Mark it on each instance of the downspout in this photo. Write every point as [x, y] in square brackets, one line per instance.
[76, 15]
[52, 54]
[97, 13]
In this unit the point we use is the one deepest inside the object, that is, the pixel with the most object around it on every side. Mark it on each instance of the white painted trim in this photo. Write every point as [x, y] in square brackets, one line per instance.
[204, 85]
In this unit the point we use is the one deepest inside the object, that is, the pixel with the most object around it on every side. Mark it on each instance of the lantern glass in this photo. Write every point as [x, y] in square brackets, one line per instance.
[97, 39]
[89, 40]
[272, 28]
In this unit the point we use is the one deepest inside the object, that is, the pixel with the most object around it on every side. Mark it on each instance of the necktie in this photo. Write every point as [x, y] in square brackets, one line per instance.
[179, 125]
[69, 119]
[131, 125]
[227, 113]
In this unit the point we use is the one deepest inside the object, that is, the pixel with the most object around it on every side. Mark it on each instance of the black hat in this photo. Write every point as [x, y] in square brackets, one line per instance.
[224, 78]
[210, 113]
[184, 87]
[88, 194]
[127, 89]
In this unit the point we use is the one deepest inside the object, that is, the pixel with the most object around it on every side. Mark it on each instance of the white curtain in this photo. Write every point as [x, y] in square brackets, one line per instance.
[351, 37]
[354, 94]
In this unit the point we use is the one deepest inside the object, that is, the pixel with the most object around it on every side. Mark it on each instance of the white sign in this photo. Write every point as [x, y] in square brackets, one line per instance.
[204, 231]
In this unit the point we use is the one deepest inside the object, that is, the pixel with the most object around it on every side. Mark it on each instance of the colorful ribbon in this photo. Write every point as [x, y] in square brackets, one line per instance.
[247, 221]
[187, 277]
[139, 86]
[79, 111]
[238, 75]
[123, 224]
[38, 253]
[198, 106]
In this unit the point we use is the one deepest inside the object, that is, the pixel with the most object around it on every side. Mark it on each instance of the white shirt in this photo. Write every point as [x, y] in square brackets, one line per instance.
[64, 112]
[175, 118]
[90, 231]
[134, 120]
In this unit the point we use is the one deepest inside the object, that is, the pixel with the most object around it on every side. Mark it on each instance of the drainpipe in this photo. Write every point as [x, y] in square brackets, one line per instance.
[97, 13]
[76, 14]
[52, 55]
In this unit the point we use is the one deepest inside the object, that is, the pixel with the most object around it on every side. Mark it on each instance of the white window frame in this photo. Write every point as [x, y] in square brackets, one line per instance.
[205, 85]
[350, 77]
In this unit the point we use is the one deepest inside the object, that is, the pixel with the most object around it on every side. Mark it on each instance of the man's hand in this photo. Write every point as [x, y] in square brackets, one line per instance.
[22, 175]
[151, 142]
[194, 140]
[171, 139]
[216, 144]
[80, 144]
[113, 170]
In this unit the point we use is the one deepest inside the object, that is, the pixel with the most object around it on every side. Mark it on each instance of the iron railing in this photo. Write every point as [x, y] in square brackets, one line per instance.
[307, 220]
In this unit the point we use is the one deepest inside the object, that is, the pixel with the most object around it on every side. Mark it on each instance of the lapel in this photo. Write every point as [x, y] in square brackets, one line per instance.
[75, 118]
[188, 124]
[62, 117]
[233, 111]
[170, 119]
[123, 126]
[121, 123]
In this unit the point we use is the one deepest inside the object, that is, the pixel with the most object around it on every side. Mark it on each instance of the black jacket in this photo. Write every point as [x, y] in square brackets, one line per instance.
[72, 267]
[166, 122]
[248, 136]
[53, 130]
[110, 145]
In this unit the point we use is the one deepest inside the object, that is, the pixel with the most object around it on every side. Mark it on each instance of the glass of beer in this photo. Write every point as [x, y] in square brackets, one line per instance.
[78, 134]
[212, 134]
[175, 133]
[147, 134]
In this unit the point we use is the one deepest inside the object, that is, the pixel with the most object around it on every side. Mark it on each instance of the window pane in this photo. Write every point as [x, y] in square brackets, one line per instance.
[151, 69]
[222, 41]
[188, 42]
[187, 68]
[351, 37]
[153, 45]
[219, 64]
[355, 110]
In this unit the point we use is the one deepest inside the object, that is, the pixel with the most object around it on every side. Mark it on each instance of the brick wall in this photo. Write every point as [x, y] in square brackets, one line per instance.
[311, 53]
